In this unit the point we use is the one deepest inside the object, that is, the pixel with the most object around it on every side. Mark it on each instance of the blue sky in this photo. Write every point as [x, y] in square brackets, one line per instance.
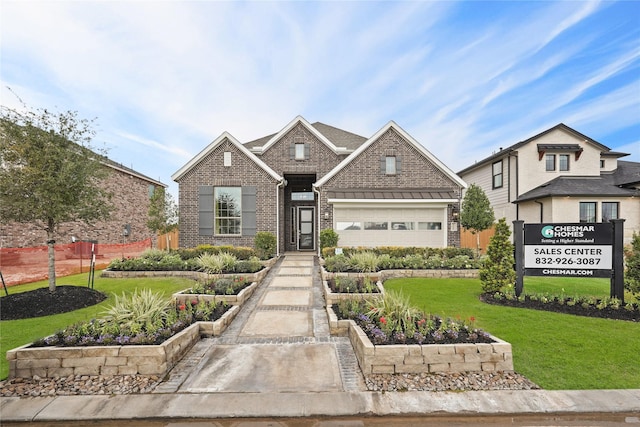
[165, 78]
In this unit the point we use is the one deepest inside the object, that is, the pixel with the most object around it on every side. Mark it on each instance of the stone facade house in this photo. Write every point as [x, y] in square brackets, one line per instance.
[563, 176]
[131, 192]
[386, 190]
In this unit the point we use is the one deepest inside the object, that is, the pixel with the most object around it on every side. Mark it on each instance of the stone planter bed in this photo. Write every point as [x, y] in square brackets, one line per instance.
[383, 275]
[239, 299]
[428, 358]
[50, 362]
[335, 297]
[193, 275]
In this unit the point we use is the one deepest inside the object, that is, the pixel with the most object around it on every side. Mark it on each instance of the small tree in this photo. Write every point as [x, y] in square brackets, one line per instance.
[163, 213]
[49, 174]
[632, 274]
[476, 214]
[497, 270]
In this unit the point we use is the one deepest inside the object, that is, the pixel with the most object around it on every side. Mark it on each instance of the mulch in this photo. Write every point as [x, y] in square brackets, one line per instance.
[41, 302]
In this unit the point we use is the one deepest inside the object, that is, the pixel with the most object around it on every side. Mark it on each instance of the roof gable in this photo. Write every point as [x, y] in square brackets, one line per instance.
[406, 137]
[224, 136]
[516, 146]
[298, 120]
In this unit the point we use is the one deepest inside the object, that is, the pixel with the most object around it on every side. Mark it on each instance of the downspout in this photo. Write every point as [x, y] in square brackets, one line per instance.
[541, 210]
[315, 190]
[280, 185]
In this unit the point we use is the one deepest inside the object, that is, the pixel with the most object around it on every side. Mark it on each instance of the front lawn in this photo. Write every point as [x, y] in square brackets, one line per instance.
[556, 351]
[14, 333]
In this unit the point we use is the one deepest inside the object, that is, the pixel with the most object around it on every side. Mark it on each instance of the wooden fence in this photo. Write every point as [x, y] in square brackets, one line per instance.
[169, 240]
[469, 240]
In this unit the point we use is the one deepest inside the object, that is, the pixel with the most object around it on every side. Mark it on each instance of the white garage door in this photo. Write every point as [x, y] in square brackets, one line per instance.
[391, 226]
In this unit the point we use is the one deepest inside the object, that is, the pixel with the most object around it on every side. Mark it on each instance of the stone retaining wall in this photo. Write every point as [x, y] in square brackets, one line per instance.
[335, 297]
[390, 274]
[239, 299]
[27, 362]
[428, 358]
[193, 275]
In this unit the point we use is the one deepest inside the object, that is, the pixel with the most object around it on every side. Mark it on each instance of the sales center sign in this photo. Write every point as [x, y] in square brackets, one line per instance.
[568, 249]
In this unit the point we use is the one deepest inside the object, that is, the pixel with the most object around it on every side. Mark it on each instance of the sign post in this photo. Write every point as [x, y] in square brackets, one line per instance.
[570, 250]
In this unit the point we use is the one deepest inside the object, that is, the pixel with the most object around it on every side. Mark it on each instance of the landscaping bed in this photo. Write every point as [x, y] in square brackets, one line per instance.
[587, 306]
[31, 361]
[495, 355]
[41, 302]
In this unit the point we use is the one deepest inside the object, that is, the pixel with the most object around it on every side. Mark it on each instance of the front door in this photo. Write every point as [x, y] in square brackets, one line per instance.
[305, 228]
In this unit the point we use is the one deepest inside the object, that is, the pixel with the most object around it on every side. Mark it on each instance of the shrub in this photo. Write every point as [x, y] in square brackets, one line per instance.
[251, 265]
[265, 244]
[154, 254]
[217, 263]
[364, 262]
[337, 263]
[396, 310]
[497, 271]
[414, 262]
[138, 311]
[632, 274]
[328, 238]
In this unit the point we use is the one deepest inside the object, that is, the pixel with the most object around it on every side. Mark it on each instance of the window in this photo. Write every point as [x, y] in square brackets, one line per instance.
[402, 225]
[348, 225]
[609, 211]
[152, 189]
[228, 210]
[299, 152]
[227, 159]
[302, 195]
[587, 211]
[564, 162]
[376, 225]
[390, 165]
[429, 226]
[550, 162]
[496, 171]
[601, 164]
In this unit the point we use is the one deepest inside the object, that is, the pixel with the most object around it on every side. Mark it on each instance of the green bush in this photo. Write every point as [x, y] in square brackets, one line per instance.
[222, 262]
[265, 244]
[364, 262]
[136, 312]
[337, 263]
[251, 265]
[328, 238]
[497, 271]
[632, 273]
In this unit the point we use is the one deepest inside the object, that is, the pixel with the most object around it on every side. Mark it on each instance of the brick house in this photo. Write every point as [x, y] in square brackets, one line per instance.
[131, 197]
[560, 175]
[386, 190]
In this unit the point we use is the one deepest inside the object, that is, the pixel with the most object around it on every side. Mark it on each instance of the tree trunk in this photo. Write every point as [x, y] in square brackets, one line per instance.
[52, 260]
[478, 244]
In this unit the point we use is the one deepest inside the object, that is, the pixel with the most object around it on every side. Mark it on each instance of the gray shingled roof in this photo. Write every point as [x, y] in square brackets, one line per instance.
[391, 194]
[607, 184]
[339, 137]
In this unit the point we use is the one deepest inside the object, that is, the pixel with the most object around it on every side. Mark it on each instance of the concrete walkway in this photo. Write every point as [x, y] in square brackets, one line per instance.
[277, 359]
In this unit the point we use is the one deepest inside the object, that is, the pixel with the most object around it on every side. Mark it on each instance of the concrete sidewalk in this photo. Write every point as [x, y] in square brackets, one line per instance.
[277, 359]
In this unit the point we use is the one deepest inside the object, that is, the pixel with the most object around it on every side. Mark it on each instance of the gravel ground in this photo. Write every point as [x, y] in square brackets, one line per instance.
[449, 382]
[128, 384]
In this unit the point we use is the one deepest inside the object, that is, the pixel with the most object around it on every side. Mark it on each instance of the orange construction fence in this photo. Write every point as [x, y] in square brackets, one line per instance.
[24, 265]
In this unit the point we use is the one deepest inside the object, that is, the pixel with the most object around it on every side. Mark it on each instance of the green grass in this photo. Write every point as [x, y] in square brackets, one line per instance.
[14, 333]
[556, 351]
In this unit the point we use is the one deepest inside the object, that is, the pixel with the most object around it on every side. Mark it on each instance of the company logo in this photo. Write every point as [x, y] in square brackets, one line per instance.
[547, 231]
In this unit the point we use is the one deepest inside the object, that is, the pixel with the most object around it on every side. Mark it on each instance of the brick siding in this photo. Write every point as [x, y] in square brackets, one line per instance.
[131, 206]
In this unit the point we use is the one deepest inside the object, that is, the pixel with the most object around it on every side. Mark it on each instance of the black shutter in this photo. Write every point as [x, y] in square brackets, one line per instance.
[307, 151]
[205, 210]
[383, 165]
[398, 163]
[292, 151]
[249, 219]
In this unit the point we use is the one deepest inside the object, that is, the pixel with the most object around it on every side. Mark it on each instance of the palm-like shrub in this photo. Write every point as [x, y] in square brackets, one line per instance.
[217, 263]
[395, 311]
[364, 262]
[139, 311]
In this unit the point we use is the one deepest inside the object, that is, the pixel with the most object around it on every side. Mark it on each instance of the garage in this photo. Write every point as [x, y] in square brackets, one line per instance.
[371, 224]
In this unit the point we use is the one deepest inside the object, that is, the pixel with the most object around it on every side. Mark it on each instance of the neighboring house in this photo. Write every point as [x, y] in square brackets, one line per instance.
[387, 190]
[560, 175]
[131, 198]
